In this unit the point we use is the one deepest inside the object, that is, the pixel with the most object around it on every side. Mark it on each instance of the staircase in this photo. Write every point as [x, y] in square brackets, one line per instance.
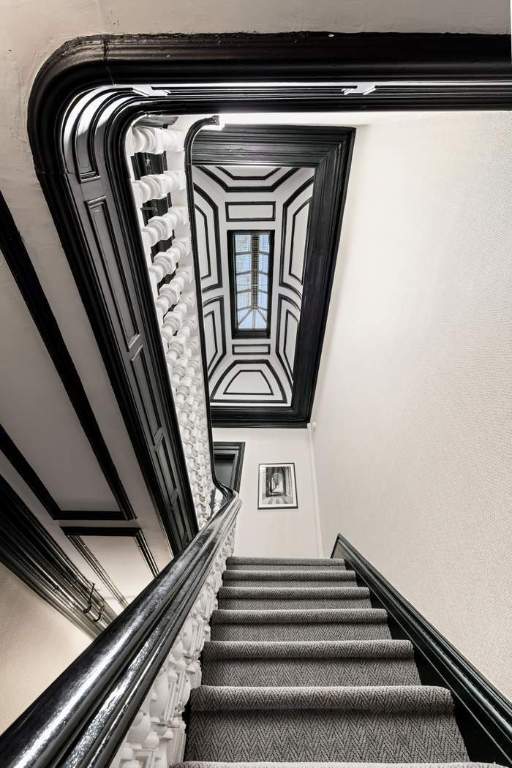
[302, 669]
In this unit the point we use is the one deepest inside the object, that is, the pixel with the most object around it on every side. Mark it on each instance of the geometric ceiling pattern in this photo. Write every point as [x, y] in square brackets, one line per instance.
[245, 370]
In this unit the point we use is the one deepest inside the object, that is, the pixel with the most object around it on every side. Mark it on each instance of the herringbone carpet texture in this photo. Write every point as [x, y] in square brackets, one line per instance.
[301, 670]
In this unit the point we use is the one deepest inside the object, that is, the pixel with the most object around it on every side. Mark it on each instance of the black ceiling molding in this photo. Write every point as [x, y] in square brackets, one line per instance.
[209, 310]
[328, 151]
[41, 492]
[234, 188]
[280, 395]
[132, 532]
[215, 214]
[307, 72]
[282, 282]
[19, 263]
[242, 203]
[29, 551]
[250, 349]
[286, 307]
[231, 454]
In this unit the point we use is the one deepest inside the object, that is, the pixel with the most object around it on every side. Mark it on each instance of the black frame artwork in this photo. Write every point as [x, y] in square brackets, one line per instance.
[282, 482]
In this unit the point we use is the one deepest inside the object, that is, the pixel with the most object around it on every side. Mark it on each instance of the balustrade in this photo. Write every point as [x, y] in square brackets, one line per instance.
[168, 251]
[157, 735]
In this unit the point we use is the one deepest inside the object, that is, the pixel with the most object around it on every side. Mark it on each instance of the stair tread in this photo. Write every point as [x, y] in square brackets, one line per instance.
[308, 561]
[300, 616]
[312, 574]
[308, 649]
[311, 593]
[409, 699]
[268, 764]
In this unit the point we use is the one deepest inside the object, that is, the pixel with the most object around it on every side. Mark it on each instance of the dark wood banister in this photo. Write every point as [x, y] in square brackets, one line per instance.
[81, 719]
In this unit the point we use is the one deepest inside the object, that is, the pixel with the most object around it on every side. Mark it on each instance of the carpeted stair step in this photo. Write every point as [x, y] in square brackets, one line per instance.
[300, 624]
[283, 564]
[251, 598]
[264, 764]
[302, 663]
[375, 724]
[312, 577]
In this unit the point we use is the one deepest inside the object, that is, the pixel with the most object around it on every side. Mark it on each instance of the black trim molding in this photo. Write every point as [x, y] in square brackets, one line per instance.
[76, 531]
[483, 714]
[29, 551]
[233, 452]
[18, 260]
[38, 488]
[292, 72]
[328, 151]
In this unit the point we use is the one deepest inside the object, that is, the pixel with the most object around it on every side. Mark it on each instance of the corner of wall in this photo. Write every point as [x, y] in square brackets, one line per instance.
[316, 498]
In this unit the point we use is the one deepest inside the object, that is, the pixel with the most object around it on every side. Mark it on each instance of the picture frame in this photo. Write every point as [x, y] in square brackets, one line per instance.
[277, 486]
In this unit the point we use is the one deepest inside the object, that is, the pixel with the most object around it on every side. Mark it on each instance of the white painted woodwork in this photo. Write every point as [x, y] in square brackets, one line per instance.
[175, 301]
[156, 737]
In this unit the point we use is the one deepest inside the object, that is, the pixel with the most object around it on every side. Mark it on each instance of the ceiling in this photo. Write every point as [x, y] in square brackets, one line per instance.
[255, 368]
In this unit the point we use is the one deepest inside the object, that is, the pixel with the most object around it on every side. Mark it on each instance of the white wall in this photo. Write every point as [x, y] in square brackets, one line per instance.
[36, 644]
[275, 532]
[413, 408]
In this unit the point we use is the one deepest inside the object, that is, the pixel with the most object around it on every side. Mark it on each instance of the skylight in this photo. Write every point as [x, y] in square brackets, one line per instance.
[251, 264]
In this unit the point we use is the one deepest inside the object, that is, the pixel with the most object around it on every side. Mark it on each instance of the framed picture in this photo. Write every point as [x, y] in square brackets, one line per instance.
[277, 487]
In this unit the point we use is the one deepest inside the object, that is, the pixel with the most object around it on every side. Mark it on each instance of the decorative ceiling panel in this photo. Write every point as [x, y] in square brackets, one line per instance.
[268, 208]
[246, 199]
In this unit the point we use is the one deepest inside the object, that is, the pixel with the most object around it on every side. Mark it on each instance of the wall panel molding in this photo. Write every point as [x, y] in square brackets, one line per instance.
[22, 269]
[29, 551]
[34, 482]
[78, 534]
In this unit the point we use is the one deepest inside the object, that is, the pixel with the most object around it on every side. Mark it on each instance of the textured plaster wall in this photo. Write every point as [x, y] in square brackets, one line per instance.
[413, 408]
[36, 645]
[275, 532]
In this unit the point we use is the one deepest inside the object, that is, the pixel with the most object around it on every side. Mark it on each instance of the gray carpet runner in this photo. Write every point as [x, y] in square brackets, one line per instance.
[301, 670]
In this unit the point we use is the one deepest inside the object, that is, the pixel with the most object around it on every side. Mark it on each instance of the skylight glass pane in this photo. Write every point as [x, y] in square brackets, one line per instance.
[243, 282]
[247, 323]
[264, 242]
[263, 263]
[243, 263]
[243, 300]
[250, 264]
[242, 243]
[262, 282]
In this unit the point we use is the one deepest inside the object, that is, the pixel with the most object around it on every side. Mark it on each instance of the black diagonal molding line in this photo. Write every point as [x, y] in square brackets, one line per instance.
[27, 472]
[18, 261]
[28, 550]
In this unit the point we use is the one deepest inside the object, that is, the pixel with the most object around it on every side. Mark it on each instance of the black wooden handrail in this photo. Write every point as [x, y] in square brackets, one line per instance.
[483, 714]
[81, 719]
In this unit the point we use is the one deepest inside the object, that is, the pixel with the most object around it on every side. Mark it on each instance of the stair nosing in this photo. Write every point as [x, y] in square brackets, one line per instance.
[387, 699]
[300, 616]
[260, 650]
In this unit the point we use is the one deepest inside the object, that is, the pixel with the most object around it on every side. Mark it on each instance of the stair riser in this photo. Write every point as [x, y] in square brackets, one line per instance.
[300, 632]
[302, 672]
[291, 583]
[283, 567]
[265, 562]
[305, 735]
[240, 604]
